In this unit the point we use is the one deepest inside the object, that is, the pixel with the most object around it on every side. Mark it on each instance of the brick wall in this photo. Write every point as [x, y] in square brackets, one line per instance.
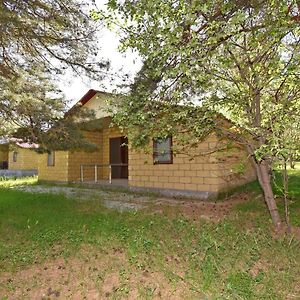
[27, 159]
[81, 157]
[101, 156]
[58, 172]
[211, 173]
[67, 163]
[3, 153]
[204, 173]
[236, 168]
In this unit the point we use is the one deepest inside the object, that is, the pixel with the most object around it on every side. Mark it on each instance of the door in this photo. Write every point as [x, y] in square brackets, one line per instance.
[118, 154]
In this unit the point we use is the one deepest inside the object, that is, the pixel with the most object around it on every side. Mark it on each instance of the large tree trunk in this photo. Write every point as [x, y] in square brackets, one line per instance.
[264, 179]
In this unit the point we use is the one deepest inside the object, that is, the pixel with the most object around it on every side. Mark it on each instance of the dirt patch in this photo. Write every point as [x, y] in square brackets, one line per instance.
[110, 284]
[292, 233]
[80, 277]
[155, 285]
[91, 274]
[258, 267]
[195, 210]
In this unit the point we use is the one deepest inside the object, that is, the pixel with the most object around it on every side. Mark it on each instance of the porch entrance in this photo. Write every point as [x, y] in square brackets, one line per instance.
[118, 157]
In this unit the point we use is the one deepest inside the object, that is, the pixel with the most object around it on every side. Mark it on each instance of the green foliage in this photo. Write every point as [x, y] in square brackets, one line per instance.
[40, 40]
[237, 59]
[50, 34]
[36, 113]
[257, 205]
[239, 168]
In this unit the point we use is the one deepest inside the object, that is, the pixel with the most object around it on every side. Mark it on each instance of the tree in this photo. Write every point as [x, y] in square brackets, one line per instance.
[237, 58]
[49, 33]
[39, 41]
[38, 114]
[292, 138]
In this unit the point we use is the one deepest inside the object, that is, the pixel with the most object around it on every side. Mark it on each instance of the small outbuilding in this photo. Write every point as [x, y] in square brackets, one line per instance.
[4, 149]
[23, 157]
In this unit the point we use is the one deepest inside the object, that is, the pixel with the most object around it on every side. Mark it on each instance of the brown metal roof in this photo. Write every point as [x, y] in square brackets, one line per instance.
[87, 97]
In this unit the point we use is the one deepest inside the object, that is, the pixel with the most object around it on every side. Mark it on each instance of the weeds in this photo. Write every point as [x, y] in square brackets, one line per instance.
[237, 258]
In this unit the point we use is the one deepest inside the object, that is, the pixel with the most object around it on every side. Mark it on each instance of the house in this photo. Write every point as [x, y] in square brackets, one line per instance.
[18, 158]
[114, 162]
[22, 157]
[4, 149]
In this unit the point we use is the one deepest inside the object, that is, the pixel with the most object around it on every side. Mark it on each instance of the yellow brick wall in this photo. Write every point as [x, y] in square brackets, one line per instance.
[27, 159]
[204, 173]
[67, 163]
[58, 172]
[81, 157]
[199, 174]
[3, 153]
[101, 156]
[236, 168]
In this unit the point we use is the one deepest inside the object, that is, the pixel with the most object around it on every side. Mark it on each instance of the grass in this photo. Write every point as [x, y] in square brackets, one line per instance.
[294, 185]
[293, 182]
[11, 182]
[257, 205]
[237, 258]
[294, 195]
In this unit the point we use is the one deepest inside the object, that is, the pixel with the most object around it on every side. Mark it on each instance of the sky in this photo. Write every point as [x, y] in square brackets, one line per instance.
[74, 87]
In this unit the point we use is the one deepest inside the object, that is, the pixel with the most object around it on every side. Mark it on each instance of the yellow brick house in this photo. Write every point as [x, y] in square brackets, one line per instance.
[4, 150]
[18, 158]
[76, 166]
[22, 156]
[160, 170]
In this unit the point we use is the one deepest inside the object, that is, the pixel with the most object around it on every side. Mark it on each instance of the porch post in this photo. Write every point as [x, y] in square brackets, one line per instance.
[81, 173]
[96, 173]
[109, 174]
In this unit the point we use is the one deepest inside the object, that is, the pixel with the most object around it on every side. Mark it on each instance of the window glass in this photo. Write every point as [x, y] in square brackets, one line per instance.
[15, 156]
[51, 158]
[162, 151]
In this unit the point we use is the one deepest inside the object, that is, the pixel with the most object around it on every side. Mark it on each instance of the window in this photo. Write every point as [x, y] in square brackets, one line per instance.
[15, 156]
[51, 159]
[162, 151]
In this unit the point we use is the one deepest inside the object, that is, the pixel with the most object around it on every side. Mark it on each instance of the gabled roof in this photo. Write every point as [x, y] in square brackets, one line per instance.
[25, 145]
[87, 97]
[18, 142]
[94, 100]
[83, 100]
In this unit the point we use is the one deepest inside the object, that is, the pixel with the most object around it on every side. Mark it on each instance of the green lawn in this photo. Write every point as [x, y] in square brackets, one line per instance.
[11, 182]
[56, 246]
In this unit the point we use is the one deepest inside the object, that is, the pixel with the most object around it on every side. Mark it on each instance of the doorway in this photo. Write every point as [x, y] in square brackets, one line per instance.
[118, 157]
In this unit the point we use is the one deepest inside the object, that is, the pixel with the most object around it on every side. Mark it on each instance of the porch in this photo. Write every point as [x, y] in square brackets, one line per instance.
[104, 174]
